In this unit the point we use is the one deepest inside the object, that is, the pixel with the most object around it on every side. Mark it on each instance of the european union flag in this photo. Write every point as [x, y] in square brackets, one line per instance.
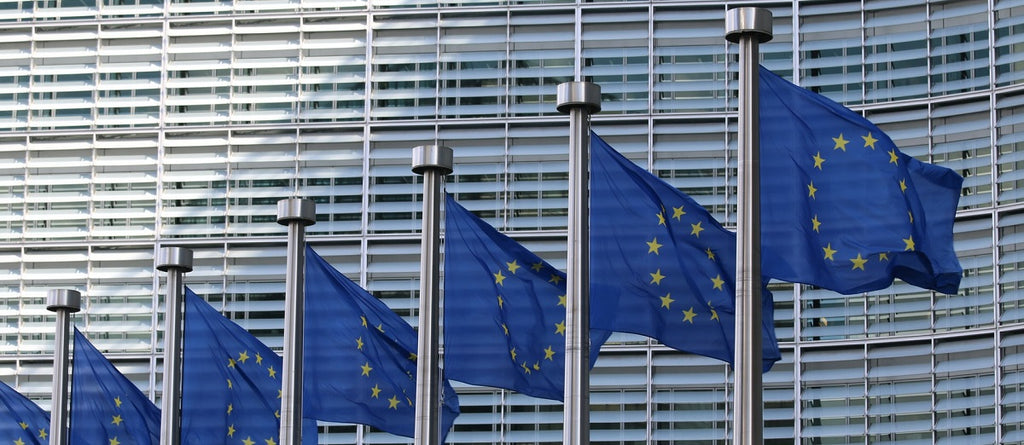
[231, 383]
[22, 422]
[360, 357]
[504, 311]
[841, 207]
[106, 408]
[661, 266]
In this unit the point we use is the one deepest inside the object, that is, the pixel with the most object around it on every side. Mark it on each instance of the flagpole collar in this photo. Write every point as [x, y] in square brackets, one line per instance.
[586, 95]
[428, 157]
[63, 300]
[748, 21]
[296, 210]
[174, 258]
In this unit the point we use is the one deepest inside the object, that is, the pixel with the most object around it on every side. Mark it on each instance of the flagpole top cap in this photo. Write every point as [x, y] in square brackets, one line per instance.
[174, 258]
[296, 210]
[755, 22]
[584, 95]
[432, 157]
[63, 300]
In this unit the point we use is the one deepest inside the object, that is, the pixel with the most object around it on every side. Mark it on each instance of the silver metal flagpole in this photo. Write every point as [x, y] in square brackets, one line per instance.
[748, 27]
[296, 213]
[433, 162]
[176, 261]
[579, 100]
[64, 302]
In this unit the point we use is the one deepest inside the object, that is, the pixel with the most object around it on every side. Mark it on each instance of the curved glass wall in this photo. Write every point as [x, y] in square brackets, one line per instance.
[126, 125]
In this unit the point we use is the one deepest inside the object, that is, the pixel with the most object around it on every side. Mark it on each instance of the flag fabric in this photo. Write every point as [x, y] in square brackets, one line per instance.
[22, 422]
[231, 382]
[661, 266]
[504, 311]
[360, 357]
[841, 207]
[106, 407]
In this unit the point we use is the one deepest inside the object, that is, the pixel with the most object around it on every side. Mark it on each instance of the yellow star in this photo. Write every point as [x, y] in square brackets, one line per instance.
[811, 190]
[229, 384]
[688, 315]
[560, 327]
[279, 393]
[909, 242]
[248, 441]
[375, 391]
[116, 420]
[677, 213]
[537, 266]
[555, 279]
[536, 366]
[893, 159]
[903, 185]
[911, 215]
[230, 408]
[412, 356]
[243, 356]
[359, 343]
[499, 278]
[711, 255]
[117, 401]
[505, 328]
[42, 433]
[829, 252]
[714, 313]
[277, 413]
[363, 318]
[231, 362]
[380, 327]
[501, 303]
[717, 282]
[840, 143]
[366, 369]
[653, 246]
[526, 368]
[271, 372]
[513, 353]
[114, 441]
[513, 266]
[23, 425]
[18, 441]
[883, 256]
[695, 229]
[549, 353]
[231, 431]
[858, 263]
[869, 141]
[259, 359]
[818, 160]
[815, 224]
[667, 300]
[656, 277]
[270, 441]
[661, 219]
[561, 300]
[393, 403]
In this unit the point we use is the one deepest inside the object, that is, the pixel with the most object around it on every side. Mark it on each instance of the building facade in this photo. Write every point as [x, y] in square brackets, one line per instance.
[128, 125]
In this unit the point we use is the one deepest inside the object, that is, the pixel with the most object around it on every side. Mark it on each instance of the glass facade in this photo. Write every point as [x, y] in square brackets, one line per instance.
[127, 125]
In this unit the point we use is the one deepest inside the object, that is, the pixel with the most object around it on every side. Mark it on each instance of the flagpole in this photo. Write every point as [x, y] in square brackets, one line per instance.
[296, 213]
[64, 302]
[579, 100]
[433, 162]
[176, 261]
[749, 27]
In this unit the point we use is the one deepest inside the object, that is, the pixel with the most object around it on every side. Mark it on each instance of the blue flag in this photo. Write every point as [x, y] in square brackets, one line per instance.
[360, 357]
[661, 266]
[22, 422]
[841, 207]
[106, 407]
[231, 383]
[504, 311]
